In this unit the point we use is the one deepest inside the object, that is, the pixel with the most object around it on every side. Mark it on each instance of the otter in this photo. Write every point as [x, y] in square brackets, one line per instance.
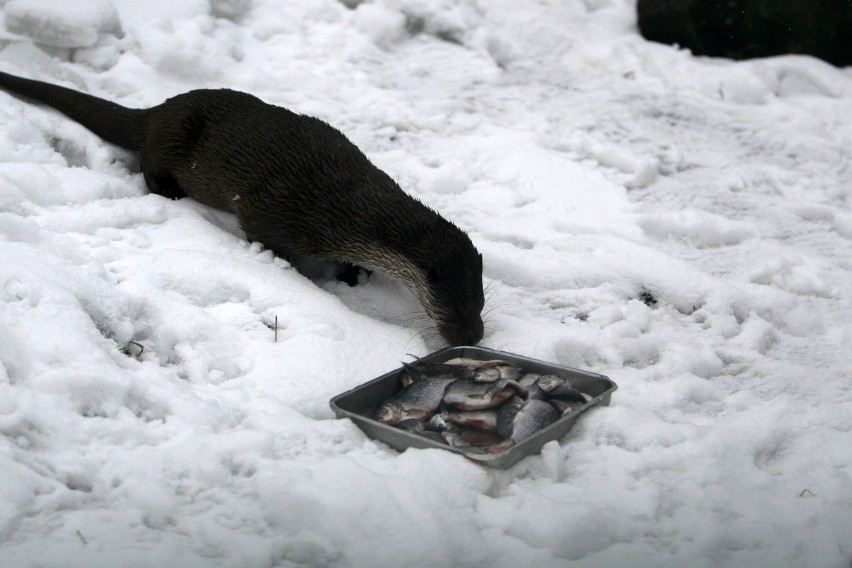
[295, 184]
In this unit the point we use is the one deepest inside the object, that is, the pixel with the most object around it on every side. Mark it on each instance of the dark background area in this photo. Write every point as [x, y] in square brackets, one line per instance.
[742, 29]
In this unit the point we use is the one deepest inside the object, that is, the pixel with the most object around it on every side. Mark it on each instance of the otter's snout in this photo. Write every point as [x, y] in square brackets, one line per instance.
[468, 333]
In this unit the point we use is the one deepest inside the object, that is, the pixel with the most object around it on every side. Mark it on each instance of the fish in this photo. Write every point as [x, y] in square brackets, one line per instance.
[418, 401]
[433, 369]
[422, 369]
[487, 371]
[519, 419]
[530, 382]
[479, 419]
[453, 437]
[479, 406]
[561, 388]
[565, 406]
[466, 394]
[419, 427]
[495, 373]
[528, 378]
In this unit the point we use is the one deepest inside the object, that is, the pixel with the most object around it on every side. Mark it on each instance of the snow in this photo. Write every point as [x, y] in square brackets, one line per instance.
[679, 224]
[78, 25]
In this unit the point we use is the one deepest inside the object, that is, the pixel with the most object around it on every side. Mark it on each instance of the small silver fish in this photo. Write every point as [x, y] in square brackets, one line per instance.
[480, 406]
[480, 419]
[561, 388]
[410, 425]
[422, 369]
[466, 394]
[418, 401]
[418, 427]
[453, 437]
[519, 419]
[495, 373]
[530, 382]
[528, 378]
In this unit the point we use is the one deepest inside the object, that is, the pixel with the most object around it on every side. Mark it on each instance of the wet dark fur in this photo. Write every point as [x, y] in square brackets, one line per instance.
[295, 183]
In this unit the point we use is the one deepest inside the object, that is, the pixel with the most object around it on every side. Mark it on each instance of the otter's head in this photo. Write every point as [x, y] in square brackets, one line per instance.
[434, 258]
[448, 282]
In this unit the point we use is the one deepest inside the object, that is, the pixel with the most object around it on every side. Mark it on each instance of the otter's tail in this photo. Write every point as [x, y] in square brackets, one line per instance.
[114, 123]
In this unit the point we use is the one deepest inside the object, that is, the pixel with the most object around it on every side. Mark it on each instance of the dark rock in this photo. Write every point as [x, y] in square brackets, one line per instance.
[742, 29]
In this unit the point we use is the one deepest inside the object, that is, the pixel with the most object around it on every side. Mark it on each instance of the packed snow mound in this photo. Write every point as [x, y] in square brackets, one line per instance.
[79, 23]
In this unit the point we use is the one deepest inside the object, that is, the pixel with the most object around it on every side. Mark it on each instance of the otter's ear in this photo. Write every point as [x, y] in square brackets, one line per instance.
[434, 273]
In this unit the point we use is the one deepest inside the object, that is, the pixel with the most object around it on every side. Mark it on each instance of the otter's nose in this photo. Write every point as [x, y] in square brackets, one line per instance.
[470, 335]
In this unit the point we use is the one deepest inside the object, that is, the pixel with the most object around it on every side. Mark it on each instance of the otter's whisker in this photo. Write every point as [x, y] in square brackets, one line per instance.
[491, 309]
[422, 342]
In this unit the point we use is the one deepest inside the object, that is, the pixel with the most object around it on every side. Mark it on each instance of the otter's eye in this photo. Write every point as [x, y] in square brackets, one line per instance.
[434, 274]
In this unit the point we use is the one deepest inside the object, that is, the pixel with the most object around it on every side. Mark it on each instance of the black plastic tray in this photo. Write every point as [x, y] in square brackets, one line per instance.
[360, 404]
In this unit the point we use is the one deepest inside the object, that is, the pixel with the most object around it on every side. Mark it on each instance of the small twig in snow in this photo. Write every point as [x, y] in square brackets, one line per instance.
[141, 347]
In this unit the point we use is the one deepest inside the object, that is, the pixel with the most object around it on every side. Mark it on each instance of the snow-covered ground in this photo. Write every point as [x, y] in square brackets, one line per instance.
[682, 225]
